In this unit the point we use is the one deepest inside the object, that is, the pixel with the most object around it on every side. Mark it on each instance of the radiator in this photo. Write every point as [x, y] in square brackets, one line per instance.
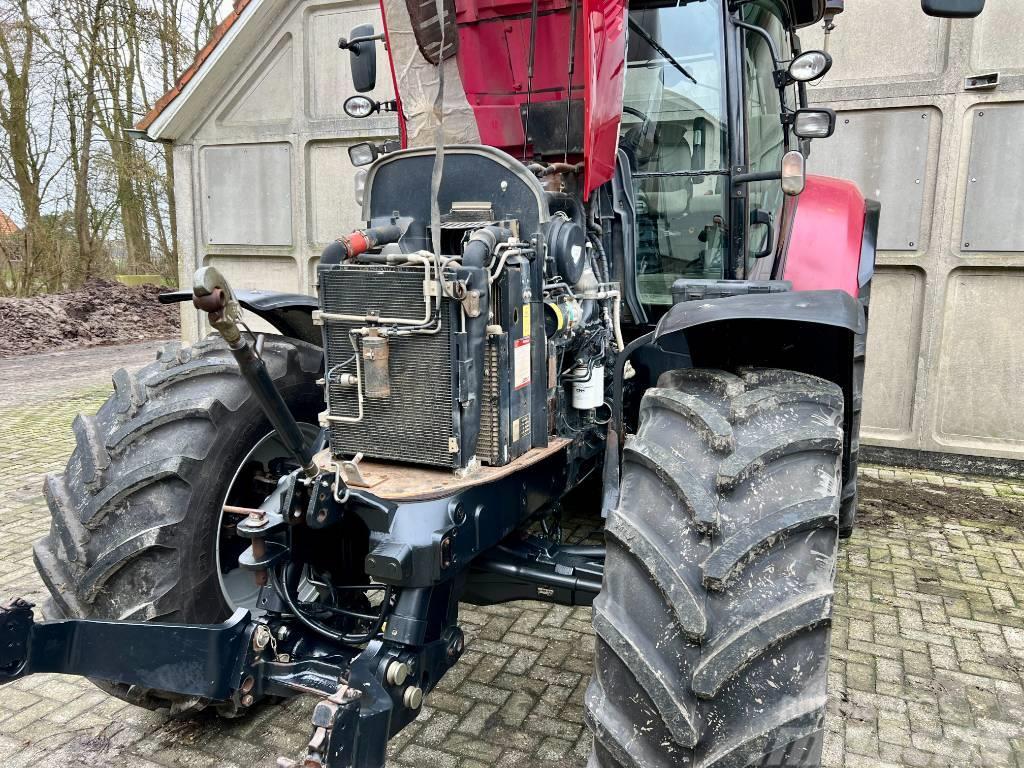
[417, 421]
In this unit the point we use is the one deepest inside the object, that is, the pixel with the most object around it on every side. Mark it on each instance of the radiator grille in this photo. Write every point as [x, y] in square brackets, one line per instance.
[416, 422]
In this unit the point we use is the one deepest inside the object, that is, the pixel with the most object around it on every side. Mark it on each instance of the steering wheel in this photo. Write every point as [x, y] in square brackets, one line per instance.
[641, 132]
[636, 113]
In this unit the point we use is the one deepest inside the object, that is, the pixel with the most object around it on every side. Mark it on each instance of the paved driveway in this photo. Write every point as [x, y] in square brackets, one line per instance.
[927, 651]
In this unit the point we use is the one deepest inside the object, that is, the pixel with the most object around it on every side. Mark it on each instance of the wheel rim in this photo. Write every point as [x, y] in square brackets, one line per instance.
[262, 468]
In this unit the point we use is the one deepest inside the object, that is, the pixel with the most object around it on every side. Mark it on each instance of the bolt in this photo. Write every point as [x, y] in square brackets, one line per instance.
[284, 658]
[413, 697]
[247, 684]
[247, 700]
[397, 673]
[261, 637]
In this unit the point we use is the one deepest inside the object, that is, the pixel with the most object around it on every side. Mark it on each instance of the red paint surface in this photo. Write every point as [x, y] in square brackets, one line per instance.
[605, 54]
[825, 243]
[493, 59]
[493, 62]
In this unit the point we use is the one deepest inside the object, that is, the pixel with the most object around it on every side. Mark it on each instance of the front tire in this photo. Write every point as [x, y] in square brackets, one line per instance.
[136, 514]
[714, 620]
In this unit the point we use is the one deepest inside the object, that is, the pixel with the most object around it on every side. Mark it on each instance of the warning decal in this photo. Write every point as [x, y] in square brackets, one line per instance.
[521, 364]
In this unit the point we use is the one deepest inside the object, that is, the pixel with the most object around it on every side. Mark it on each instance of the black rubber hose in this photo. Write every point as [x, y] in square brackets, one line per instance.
[282, 586]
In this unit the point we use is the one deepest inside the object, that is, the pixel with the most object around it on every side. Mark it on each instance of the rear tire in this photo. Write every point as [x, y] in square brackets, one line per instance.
[135, 515]
[848, 509]
[714, 619]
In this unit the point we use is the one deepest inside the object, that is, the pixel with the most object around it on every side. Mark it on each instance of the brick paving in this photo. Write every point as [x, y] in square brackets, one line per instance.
[927, 647]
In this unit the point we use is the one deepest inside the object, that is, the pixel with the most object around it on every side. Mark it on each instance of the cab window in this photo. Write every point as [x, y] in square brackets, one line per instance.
[766, 136]
[673, 128]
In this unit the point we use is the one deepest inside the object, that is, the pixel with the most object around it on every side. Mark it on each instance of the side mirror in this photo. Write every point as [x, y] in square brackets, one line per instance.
[362, 49]
[953, 9]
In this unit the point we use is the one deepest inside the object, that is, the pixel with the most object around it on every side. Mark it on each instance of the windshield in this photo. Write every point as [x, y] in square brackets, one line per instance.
[674, 132]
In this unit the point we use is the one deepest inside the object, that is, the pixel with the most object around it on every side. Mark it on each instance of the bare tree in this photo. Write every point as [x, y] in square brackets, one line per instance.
[75, 77]
[29, 132]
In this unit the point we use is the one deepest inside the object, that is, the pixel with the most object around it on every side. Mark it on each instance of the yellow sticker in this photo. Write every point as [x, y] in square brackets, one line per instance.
[526, 319]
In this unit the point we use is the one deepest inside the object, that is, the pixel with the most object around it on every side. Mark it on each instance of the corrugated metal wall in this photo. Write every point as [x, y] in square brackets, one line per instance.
[945, 366]
[264, 182]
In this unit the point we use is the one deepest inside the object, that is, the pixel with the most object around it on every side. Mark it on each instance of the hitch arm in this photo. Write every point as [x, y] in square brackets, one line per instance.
[195, 660]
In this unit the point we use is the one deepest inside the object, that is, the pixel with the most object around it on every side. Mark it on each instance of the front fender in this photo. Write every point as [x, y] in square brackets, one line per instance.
[808, 331]
[832, 308]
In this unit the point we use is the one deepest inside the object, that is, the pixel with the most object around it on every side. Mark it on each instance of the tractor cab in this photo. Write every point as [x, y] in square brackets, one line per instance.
[692, 124]
[703, 123]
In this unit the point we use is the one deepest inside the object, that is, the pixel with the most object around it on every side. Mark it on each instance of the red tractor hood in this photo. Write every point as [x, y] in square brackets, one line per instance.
[487, 85]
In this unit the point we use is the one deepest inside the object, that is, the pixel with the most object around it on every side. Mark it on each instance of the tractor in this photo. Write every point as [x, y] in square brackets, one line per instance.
[592, 275]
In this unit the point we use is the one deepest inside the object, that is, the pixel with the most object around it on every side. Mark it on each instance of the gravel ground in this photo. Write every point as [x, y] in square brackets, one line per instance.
[927, 650]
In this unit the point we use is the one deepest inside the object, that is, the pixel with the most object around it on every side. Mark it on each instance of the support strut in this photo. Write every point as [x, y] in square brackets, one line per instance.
[212, 294]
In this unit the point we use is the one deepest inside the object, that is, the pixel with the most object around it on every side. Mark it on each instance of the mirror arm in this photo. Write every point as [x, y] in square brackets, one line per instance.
[776, 56]
[353, 44]
[749, 178]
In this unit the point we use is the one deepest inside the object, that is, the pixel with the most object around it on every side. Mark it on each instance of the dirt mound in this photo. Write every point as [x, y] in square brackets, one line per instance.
[884, 503]
[101, 312]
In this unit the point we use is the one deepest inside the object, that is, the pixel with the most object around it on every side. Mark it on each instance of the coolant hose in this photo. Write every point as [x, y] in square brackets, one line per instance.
[362, 240]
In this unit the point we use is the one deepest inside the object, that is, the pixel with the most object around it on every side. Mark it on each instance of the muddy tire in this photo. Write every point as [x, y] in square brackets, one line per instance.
[714, 620]
[136, 513]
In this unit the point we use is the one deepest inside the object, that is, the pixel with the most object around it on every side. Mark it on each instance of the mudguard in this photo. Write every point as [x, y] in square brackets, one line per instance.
[826, 246]
[809, 331]
[812, 332]
[289, 313]
[832, 308]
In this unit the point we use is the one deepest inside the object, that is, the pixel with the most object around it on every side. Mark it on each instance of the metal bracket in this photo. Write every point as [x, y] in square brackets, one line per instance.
[350, 472]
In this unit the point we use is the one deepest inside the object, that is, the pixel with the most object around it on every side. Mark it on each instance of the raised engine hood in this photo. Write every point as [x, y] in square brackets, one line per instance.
[486, 77]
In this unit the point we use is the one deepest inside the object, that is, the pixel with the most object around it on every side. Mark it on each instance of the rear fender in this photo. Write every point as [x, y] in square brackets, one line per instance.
[832, 228]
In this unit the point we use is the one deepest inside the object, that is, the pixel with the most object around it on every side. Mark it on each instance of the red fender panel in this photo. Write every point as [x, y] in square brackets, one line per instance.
[825, 243]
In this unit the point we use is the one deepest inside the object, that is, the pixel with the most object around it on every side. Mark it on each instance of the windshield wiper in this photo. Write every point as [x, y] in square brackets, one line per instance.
[657, 46]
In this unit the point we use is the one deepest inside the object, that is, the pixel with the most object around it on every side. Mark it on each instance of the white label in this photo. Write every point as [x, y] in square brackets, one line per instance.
[521, 364]
[576, 253]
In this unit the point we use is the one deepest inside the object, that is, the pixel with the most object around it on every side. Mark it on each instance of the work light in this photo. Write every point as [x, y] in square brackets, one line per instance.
[362, 153]
[360, 106]
[818, 123]
[809, 66]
